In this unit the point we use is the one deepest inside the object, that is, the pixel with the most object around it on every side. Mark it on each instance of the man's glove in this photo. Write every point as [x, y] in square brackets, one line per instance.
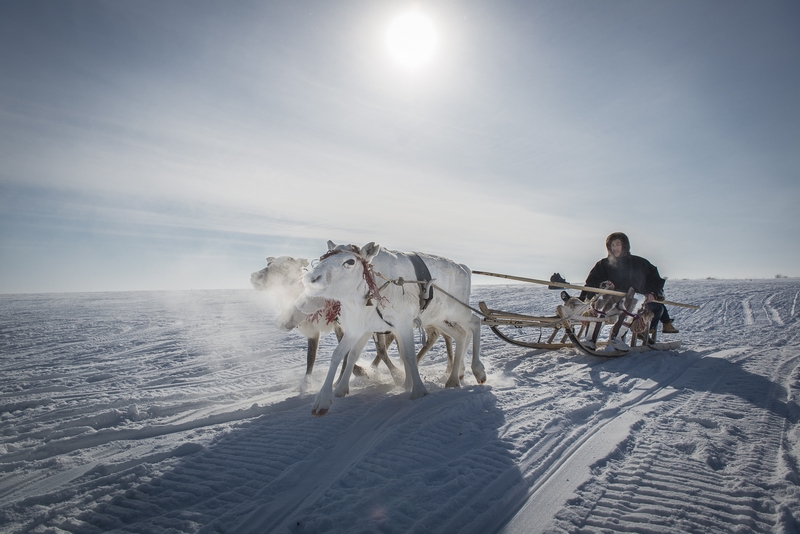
[556, 278]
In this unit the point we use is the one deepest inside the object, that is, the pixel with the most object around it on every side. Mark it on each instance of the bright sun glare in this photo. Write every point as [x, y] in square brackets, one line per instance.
[411, 39]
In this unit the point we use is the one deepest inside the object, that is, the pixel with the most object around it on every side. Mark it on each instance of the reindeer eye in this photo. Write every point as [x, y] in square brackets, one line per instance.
[350, 262]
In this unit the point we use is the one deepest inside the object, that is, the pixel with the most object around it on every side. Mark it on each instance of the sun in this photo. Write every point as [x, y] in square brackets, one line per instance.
[411, 39]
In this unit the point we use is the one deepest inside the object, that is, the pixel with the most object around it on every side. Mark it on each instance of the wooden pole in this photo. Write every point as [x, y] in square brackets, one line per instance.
[582, 288]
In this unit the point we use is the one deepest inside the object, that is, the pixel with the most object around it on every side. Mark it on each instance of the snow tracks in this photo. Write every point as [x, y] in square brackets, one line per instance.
[704, 442]
[701, 452]
[182, 413]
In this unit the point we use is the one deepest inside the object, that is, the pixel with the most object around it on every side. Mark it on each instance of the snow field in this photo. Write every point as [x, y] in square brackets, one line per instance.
[188, 412]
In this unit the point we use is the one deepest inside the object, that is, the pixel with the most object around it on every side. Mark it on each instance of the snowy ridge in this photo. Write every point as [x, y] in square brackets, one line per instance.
[187, 412]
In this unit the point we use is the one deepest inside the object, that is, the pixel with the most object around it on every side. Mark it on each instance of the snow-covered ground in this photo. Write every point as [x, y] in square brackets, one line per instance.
[187, 412]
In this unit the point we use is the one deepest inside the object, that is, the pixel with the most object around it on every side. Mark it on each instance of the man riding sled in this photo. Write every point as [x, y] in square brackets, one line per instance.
[624, 271]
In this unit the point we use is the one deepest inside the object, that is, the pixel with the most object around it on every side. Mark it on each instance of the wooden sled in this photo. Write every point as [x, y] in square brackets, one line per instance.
[562, 333]
[569, 327]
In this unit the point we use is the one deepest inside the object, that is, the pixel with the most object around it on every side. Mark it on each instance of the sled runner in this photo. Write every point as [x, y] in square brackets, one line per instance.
[578, 324]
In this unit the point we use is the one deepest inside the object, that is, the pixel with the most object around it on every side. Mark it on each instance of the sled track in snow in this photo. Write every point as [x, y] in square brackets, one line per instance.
[749, 320]
[571, 463]
[772, 313]
[662, 479]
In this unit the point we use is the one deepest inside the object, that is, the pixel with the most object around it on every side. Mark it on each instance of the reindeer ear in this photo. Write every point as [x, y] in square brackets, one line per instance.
[303, 262]
[270, 259]
[331, 245]
[370, 250]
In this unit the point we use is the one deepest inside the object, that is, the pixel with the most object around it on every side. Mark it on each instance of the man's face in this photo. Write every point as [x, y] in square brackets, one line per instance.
[616, 248]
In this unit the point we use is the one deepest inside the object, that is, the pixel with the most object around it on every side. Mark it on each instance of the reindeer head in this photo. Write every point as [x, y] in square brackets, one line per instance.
[572, 307]
[342, 273]
[646, 314]
[605, 303]
[280, 275]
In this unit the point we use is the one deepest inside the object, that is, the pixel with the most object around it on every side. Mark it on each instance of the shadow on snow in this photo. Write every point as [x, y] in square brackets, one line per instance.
[374, 463]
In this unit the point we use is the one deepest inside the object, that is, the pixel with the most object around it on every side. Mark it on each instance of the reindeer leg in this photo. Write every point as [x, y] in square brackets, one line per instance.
[341, 373]
[324, 398]
[343, 386]
[382, 350]
[461, 338]
[382, 343]
[358, 370]
[433, 337]
[405, 342]
[478, 370]
[339, 335]
[616, 328]
[598, 326]
[448, 343]
[311, 355]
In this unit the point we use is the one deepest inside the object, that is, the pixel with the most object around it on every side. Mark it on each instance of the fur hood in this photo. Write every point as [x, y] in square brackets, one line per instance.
[626, 243]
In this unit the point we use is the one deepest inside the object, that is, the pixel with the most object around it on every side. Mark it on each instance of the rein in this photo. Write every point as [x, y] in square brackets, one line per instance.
[637, 324]
[594, 312]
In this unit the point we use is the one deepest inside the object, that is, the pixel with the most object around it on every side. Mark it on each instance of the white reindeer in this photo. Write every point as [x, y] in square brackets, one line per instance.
[282, 278]
[352, 276]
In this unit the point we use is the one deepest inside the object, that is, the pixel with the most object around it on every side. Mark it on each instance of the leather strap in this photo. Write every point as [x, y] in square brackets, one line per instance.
[423, 275]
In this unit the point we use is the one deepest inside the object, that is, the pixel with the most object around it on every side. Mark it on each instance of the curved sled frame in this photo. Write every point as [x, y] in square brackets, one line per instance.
[496, 318]
[538, 345]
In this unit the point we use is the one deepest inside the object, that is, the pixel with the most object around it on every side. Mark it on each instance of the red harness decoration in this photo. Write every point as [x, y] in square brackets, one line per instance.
[331, 311]
[373, 289]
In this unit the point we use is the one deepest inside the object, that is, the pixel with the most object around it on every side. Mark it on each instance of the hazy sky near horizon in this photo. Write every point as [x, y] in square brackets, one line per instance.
[175, 144]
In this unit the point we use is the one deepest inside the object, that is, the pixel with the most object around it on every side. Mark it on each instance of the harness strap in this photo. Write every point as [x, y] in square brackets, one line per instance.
[423, 275]
[378, 309]
[597, 313]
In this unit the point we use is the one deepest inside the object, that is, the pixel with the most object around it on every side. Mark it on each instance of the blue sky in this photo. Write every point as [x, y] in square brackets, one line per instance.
[175, 145]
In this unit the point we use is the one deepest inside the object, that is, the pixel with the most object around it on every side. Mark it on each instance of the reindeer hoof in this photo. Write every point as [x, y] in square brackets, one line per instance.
[319, 412]
[360, 371]
[453, 384]
[480, 375]
[418, 394]
[398, 378]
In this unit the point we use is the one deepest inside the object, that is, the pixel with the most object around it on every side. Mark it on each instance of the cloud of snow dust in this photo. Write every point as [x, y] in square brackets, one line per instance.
[281, 280]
